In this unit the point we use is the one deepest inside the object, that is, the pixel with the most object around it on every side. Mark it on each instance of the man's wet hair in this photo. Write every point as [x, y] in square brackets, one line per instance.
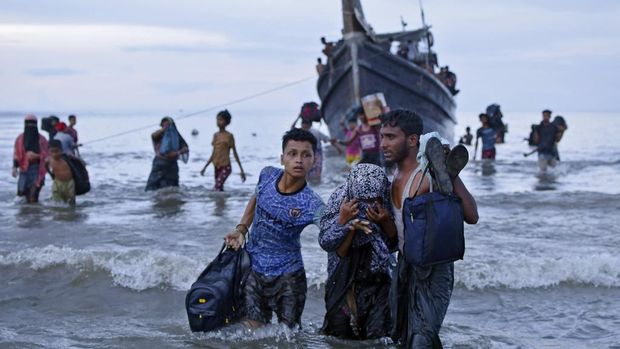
[483, 115]
[225, 114]
[300, 135]
[407, 120]
[54, 143]
[71, 117]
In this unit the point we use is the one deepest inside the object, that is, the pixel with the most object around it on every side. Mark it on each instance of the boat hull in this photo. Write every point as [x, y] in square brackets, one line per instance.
[358, 67]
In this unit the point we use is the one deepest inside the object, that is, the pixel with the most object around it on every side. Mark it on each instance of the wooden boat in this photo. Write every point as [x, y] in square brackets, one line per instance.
[361, 64]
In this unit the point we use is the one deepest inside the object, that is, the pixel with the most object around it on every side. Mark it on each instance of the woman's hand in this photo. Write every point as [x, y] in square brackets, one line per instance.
[348, 211]
[360, 224]
[378, 214]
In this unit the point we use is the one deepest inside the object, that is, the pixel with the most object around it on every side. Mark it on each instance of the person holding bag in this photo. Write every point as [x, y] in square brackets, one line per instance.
[420, 295]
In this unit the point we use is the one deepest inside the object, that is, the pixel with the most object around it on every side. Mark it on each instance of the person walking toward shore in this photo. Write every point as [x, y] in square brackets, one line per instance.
[545, 138]
[169, 146]
[29, 156]
[487, 133]
[223, 142]
[282, 206]
[420, 295]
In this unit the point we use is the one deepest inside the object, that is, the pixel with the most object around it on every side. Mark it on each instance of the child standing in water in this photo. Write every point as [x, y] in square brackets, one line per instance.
[63, 188]
[223, 142]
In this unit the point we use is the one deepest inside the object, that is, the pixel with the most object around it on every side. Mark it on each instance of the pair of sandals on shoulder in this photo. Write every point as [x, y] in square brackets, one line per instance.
[444, 165]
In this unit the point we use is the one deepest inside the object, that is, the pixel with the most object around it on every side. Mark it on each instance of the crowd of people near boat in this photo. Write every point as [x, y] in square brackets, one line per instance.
[373, 288]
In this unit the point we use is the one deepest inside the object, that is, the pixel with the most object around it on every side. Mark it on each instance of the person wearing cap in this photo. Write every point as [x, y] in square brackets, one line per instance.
[68, 145]
[545, 137]
[29, 156]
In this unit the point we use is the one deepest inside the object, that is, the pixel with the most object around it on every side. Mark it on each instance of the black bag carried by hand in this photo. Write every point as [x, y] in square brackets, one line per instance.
[79, 173]
[434, 229]
[216, 298]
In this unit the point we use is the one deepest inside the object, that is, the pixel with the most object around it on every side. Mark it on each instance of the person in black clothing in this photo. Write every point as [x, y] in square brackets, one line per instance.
[545, 138]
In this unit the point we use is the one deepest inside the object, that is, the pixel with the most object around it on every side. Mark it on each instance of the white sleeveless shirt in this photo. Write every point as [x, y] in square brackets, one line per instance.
[398, 212]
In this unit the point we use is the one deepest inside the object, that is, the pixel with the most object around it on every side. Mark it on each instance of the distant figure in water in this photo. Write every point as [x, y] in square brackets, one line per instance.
[314, 174]
[169, 146]
[223, 142]
[467, 137]
[63, 187]
[29, 160]
[194, 132]
[488, 138]
[545, 138]
[66, 140]
[354, 149]
[71, 131]
[359, 235]
[369, 139]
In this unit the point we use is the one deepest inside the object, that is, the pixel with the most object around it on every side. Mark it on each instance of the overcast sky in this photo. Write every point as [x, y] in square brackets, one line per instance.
[103, 55]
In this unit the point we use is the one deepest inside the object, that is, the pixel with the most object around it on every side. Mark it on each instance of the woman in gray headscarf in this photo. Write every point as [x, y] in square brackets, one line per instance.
[358, 232]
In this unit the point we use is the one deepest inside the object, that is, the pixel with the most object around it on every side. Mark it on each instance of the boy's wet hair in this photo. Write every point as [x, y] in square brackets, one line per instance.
[54, 143]
[225, 114]
[300, 135]
[407, 120]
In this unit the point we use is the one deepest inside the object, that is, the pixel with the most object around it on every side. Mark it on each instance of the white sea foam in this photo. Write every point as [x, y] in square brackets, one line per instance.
[137, 269]
[517, 272]
[141, 269]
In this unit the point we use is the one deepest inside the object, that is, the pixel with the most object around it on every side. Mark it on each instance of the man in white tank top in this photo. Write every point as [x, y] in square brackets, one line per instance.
[419, 296]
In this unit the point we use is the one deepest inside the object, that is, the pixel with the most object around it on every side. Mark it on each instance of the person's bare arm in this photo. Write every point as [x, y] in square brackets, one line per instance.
[380, 216]
[234, 149]
[470, 208]
[157, 135]
[236, 238]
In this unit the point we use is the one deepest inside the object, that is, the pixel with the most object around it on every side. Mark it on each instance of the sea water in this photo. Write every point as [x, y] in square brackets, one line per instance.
[541, 267]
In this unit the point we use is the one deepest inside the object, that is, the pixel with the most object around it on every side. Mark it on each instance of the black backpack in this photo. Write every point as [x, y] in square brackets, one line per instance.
[216, 298]
[79, 173]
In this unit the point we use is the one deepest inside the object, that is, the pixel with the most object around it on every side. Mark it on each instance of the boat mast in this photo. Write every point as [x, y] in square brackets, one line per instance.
[352, 31]
[428, 40]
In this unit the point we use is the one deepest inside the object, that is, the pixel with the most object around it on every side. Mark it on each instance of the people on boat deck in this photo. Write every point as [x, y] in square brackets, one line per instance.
[314, 174]
[223, 142]
[488, 138]
[545, 138]
[354, 150]
[63, 187]
[359, 235]
[169, 146]
[369, 139]
[29, 155]
[281, 207]
[327, 48]
[319, 66]
[467, 137]
[68, 145]
[420, 296]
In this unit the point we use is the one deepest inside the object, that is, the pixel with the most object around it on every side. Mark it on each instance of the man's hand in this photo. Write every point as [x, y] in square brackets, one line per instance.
[348, 211]
[377, 213]
[14, 172]
[234, 239]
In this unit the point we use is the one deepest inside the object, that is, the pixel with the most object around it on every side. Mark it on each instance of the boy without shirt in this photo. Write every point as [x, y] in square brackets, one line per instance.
[282, 206]
[63, 188]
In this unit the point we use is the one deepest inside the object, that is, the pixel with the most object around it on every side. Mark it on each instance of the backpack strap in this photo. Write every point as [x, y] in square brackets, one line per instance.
[421, 180]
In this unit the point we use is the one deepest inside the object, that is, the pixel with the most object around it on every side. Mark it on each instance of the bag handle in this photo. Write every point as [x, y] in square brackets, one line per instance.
[421, 180]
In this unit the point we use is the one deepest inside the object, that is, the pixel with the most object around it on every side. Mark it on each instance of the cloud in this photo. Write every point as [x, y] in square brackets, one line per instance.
[52, 71]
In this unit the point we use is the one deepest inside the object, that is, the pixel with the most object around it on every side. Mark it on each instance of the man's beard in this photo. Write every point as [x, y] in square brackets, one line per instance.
[401, 154]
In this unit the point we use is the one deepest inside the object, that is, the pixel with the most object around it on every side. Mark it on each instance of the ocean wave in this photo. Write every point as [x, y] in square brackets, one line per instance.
[141, 269]
[519, 272]
[136, 269]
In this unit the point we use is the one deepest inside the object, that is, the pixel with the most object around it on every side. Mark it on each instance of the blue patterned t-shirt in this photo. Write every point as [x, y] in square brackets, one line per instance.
[274, 241]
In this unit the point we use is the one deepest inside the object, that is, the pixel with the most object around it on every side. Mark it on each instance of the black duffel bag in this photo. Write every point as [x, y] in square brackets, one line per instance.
[216, 298]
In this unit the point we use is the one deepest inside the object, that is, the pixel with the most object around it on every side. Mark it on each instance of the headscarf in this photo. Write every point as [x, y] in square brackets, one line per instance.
[31, 134]
[172, 140]
[365, 181]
